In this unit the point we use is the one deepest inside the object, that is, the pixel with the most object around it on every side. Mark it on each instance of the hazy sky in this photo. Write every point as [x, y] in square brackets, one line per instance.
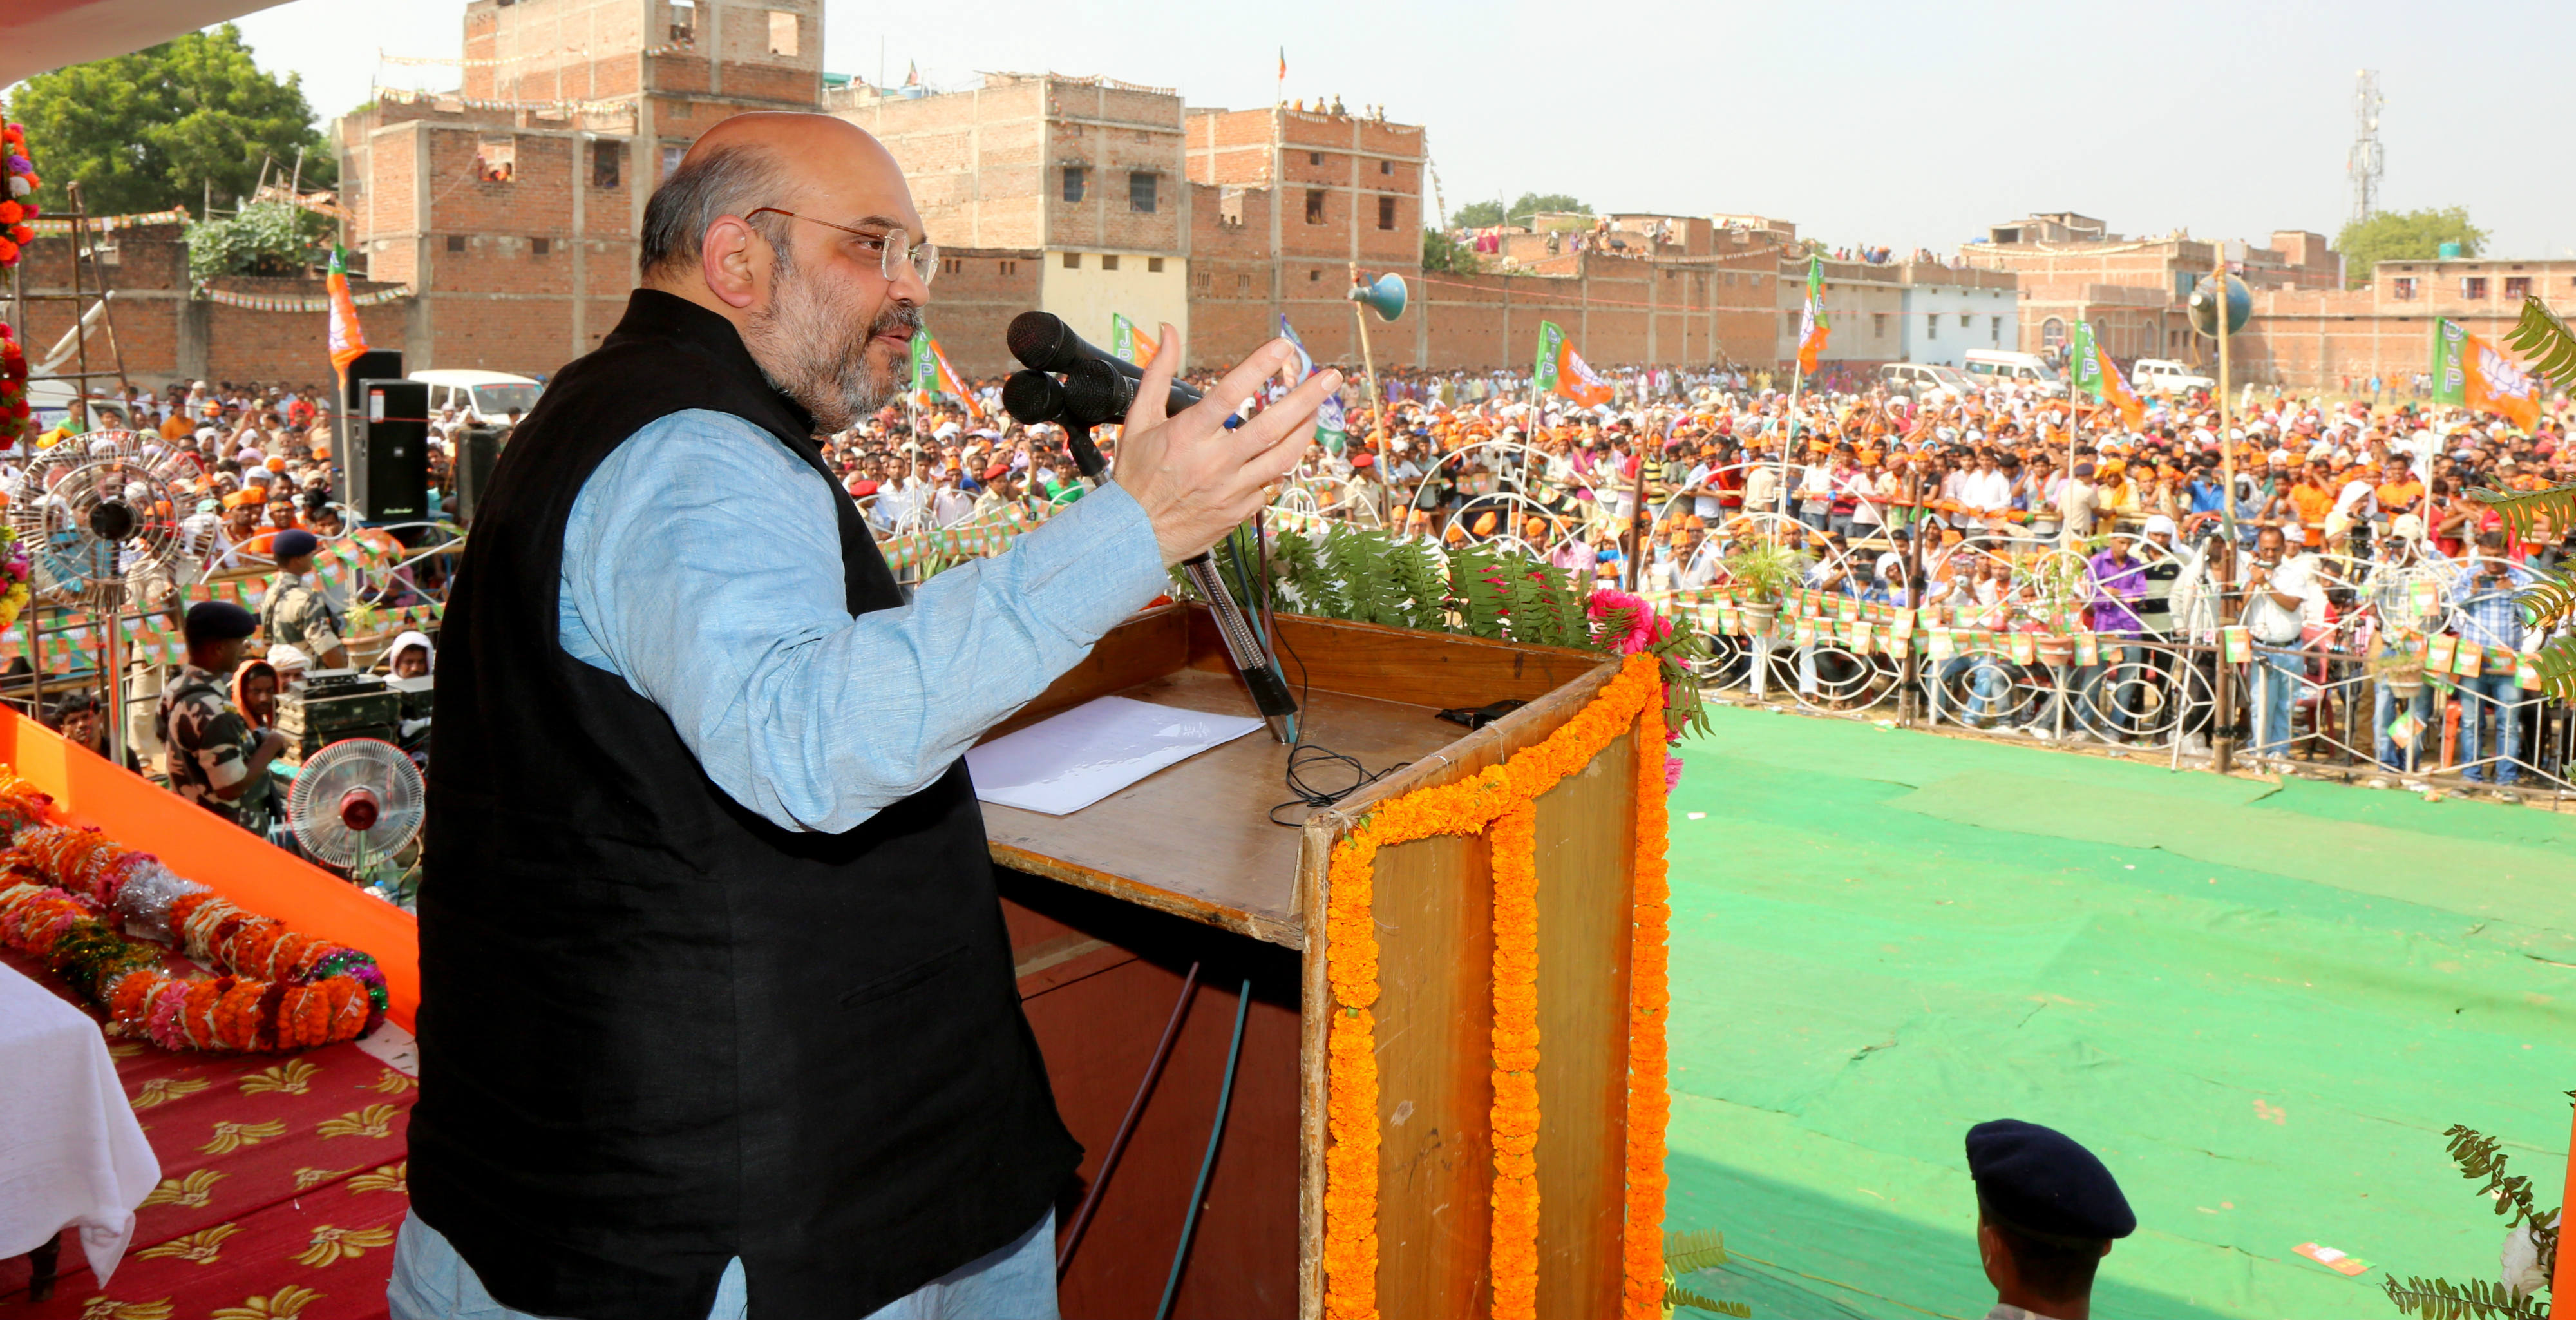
[1903, 124]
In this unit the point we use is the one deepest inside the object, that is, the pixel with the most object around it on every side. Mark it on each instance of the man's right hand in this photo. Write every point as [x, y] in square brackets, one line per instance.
[1197, 480]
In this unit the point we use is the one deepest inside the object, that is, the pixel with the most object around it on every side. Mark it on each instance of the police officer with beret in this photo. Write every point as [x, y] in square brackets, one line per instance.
[294, 614]
[215, 761]
[2047, 1213]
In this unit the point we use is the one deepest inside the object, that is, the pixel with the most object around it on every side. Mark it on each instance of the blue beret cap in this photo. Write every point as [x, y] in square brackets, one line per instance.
[2044, 1183]
[295, 543]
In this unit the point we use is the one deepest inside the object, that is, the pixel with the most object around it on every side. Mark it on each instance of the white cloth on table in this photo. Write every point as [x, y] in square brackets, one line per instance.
[71, 1152]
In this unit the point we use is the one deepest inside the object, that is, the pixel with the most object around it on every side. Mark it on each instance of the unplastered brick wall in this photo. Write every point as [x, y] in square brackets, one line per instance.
[977, 293]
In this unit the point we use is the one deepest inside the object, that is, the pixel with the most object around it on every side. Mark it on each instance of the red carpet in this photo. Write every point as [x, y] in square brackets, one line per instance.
[282, 1184]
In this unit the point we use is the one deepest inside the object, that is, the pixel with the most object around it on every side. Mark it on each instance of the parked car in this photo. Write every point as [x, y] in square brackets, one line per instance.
[1927, 381]
[2164, 376]
[489, 397]
[2005, 367]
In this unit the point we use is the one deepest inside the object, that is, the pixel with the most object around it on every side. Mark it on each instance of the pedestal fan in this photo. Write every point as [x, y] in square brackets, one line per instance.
[354, 805]
[96, 517]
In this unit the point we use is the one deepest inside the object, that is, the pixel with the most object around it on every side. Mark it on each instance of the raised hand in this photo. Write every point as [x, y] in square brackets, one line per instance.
[1196, 479]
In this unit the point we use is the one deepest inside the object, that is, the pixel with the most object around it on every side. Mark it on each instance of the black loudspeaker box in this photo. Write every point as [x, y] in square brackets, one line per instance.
[388, 463]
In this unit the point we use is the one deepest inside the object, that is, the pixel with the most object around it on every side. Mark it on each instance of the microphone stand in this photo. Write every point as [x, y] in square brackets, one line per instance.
[1252, 661]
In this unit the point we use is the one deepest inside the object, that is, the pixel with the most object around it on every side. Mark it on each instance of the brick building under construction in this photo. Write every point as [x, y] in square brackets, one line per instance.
[511, 206]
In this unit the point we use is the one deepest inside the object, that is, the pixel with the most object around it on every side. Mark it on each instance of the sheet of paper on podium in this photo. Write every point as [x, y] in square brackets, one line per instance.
[1067, 762]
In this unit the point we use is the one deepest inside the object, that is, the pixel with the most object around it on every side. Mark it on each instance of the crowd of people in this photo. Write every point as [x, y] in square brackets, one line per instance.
[2354, 523]
[2343, 510]
[242, 476]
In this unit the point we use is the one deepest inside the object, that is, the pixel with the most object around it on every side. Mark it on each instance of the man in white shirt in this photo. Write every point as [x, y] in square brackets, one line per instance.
[2283, 596]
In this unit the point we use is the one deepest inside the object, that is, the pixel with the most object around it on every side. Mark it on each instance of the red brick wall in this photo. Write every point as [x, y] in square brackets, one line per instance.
[166, 336]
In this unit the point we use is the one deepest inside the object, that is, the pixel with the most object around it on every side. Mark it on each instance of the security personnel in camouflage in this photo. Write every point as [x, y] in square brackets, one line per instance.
[214, 759]
[296, 615]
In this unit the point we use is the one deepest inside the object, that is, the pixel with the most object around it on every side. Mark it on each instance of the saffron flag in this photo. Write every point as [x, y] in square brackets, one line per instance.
[348, 338]
[1283, 64]
[950, 381]
[911, 73]
[1330, 422]
[1812, 329]
[2469, 372]
[2096, 374]
[1130, 342]
[1561, 370]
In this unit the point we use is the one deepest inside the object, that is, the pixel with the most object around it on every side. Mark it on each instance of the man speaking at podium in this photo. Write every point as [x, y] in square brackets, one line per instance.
[717, 1010]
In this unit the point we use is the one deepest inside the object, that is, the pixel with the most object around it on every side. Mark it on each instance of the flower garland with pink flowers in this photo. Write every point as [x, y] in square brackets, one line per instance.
[68, 897]
[18, 197]
[1628, 625]
[17, 413]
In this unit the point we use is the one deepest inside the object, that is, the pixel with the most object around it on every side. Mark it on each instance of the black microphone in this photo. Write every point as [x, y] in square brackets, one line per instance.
[1096, 393]
[1031, 397]
[1043, 342]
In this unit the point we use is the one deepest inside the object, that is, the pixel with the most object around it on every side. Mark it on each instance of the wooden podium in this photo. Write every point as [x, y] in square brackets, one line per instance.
[1109, 906]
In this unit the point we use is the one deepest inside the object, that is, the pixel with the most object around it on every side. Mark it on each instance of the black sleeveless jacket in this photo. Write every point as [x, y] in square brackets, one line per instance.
[656, 1030]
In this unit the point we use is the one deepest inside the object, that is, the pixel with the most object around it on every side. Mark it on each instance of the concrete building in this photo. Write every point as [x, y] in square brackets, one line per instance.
[511, 207]
[2338, 339]
[1949, 310]
[2133, 290]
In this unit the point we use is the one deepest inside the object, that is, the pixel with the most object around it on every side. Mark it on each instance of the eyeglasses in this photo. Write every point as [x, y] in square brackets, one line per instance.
[894, 247]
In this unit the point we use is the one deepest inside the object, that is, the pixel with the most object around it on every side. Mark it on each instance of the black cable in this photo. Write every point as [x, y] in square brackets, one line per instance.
[1305, 756]
[1303, 759]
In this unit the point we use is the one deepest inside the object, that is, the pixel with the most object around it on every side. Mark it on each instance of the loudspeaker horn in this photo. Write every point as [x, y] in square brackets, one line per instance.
[1386, 296]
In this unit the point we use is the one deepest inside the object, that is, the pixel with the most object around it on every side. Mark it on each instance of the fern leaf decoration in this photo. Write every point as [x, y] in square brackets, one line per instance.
[2522, 509]
[1473, 581]
[1691, 1252]
[2547, 601]
[1359, 559]
[1677, 1296]
[2479, 1156]
[2557, 665]
[1564, 607]
[1419, 575]
[2544, 340]
[2479, 1299]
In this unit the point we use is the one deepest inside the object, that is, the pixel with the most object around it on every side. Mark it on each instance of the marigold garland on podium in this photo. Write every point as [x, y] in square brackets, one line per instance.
[1450, 1099]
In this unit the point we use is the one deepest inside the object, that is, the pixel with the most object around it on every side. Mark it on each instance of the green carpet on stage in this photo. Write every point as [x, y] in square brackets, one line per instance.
[2259, 1006]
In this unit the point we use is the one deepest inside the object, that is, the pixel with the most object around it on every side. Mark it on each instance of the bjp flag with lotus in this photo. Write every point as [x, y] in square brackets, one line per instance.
[1561, 370]
[2469, 372]
[1813, 330]
[2096, 374]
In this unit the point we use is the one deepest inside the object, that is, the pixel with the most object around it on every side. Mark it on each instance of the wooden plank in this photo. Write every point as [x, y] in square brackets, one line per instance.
[1438, 670]
[1098, 1032]
[1586, 864]
[1196, 839]
[1434, 908]
[1098, 1035]
[1315, 997]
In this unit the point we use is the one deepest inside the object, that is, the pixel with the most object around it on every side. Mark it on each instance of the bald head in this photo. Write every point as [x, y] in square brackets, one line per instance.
[768, 159]
[785, 225]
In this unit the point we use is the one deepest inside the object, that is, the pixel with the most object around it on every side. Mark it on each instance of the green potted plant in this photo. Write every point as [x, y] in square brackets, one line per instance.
[1762, 571]
[2058, 585]
[2399, 666]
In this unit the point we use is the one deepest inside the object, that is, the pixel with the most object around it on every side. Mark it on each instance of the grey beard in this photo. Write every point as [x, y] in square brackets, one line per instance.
[807, 353]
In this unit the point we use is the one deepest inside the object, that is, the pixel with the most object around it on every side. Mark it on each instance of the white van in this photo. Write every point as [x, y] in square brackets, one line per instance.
[487, 397]
[2164, 376]
[1990, 364]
